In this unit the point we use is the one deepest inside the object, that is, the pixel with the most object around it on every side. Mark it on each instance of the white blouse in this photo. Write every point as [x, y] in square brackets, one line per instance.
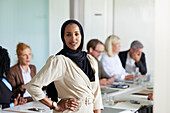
[130, 66]
[113, 67]
[26, 78]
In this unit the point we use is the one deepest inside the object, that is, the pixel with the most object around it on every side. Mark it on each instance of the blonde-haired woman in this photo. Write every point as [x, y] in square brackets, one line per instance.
[22, 72]
[111, 61]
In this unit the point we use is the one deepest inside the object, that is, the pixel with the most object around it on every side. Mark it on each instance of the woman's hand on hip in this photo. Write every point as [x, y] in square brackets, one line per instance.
[67, 104]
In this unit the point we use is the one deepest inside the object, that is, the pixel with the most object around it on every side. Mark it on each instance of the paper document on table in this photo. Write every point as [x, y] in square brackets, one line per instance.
[127, 111]
[144, 92]
[112, 110]
[127, 105]
[28, 110]
[108, 90]
[129, 81]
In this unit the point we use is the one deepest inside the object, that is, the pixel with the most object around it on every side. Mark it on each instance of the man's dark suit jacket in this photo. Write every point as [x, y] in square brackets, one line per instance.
[141, 64]
[102, 74]
[6, 96]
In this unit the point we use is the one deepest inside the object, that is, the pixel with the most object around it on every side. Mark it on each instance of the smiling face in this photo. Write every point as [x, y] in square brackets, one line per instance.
[25, 57]
[72, 36]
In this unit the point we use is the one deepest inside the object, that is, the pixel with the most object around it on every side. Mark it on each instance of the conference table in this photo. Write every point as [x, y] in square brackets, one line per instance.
[127, 100]
[35, 105]
[115, 100]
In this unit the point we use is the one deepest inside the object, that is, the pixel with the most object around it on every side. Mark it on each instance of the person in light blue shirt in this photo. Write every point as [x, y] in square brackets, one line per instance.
[7, 98]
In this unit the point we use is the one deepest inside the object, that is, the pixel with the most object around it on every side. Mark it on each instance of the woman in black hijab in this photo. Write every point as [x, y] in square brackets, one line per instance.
[78, 56]
[74, 73]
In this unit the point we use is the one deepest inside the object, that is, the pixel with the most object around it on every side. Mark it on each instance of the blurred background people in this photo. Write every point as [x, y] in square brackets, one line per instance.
[133, 60]
[7, 98]
[111, 62]
[95, 48]
[21, 73]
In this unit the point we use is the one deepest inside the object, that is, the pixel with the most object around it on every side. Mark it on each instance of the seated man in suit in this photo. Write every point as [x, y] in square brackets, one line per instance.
[96, 48]
[133, 60]
[7, 98]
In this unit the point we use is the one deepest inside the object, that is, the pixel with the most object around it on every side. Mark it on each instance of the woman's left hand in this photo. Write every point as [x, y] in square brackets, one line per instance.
[69, 104]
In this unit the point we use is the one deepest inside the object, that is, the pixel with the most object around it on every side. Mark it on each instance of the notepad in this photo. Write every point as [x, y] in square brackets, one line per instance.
[144, 92]
[108, 90]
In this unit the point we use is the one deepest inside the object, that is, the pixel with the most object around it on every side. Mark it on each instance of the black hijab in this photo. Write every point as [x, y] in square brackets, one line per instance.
[78, 56]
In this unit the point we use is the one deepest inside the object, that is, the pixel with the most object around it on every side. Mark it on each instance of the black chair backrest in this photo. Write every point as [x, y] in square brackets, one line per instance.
[145, 109]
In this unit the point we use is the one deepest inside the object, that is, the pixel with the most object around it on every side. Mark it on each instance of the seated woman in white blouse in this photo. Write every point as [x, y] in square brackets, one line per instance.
[111, 61]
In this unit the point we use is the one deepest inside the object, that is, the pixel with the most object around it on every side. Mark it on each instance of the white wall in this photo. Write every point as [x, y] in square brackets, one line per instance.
[36, 23]
[25, 21]
[134, 20]
[128, 19]
[98, 15]
[59, 12]
[162, 57]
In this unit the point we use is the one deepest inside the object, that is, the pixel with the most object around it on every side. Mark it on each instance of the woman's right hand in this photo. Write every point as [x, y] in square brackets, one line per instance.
[67, 104]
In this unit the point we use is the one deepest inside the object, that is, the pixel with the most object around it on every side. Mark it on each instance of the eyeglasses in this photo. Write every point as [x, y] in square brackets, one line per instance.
[99, 52]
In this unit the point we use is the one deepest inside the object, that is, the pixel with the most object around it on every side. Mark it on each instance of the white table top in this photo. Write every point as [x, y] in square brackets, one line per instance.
[24, 108]
[124, 98]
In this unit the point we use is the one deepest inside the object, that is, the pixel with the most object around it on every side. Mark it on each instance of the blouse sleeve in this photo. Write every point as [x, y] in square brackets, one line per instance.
[52, 71]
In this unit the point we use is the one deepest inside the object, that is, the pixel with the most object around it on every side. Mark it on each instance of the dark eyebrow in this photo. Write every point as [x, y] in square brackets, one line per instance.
[68, 32]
